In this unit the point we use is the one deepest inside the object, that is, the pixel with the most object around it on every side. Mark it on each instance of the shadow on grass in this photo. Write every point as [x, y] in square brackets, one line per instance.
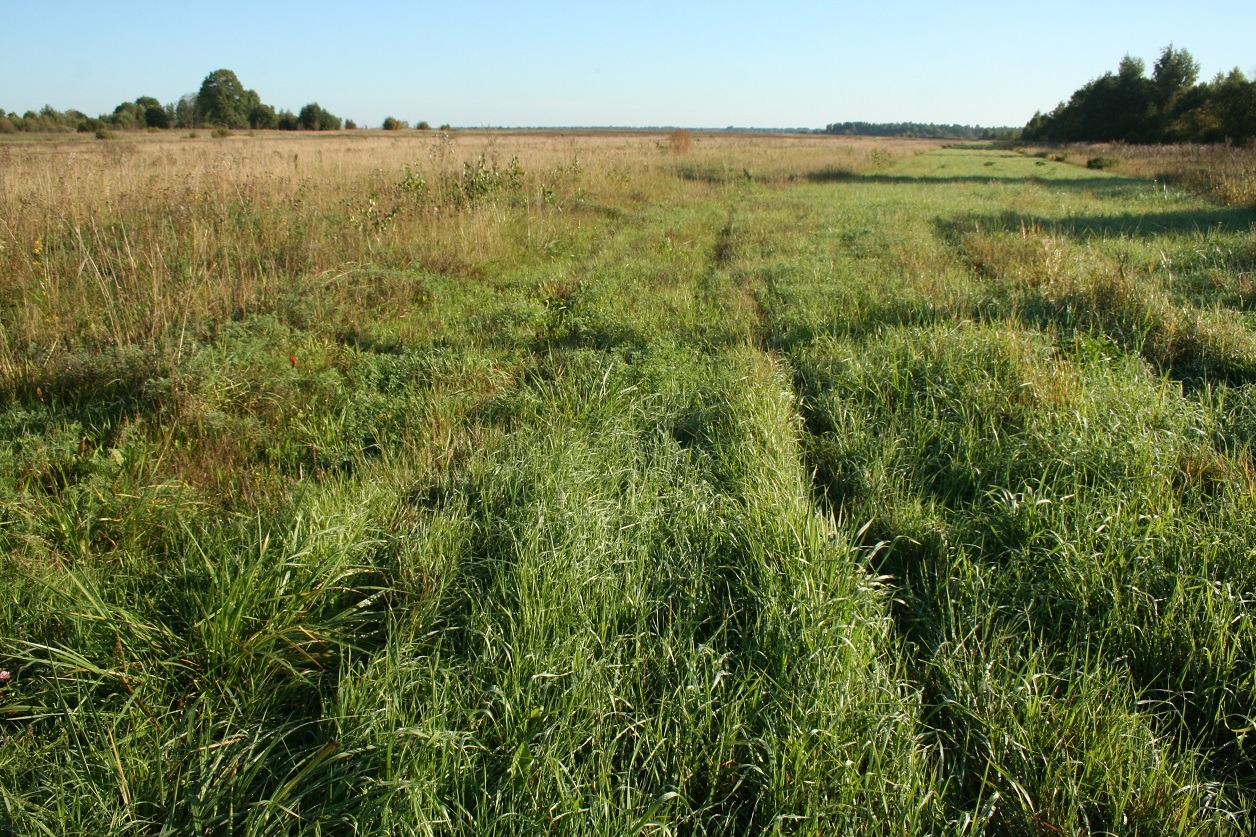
[1114, 225]
[98, 389]
[718, 174]
[833, 175]
[1107, 183]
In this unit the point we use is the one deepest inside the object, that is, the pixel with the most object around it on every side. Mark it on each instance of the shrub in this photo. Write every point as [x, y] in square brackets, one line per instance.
[104, 134]
[222, 133]
[391, 124]
[1100, 163]
[424, 126]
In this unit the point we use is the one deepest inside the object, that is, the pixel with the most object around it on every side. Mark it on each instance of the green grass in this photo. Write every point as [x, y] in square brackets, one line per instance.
[913, 500]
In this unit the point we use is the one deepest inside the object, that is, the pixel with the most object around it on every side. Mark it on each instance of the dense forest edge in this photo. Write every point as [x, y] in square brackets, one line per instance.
[1169, 107]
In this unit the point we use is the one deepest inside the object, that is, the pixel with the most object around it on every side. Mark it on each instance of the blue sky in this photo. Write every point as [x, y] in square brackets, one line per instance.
[790, 63]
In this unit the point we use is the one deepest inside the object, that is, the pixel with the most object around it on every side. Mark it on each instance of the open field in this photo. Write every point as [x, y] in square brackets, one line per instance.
[542, 483]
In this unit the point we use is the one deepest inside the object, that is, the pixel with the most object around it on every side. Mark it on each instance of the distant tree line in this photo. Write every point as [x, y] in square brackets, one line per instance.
[919, 130]
[221, 102]
[393, 124]
[1170, 106]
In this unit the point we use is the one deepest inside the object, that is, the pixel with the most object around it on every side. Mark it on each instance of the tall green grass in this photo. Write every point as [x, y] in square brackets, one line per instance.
[1066, 525]
[726, 493]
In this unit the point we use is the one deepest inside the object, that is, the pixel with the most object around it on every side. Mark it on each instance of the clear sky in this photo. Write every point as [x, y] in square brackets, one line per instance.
[789, 63]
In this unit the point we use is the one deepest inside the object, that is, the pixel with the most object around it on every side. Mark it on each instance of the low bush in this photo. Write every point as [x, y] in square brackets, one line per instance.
[680, 141]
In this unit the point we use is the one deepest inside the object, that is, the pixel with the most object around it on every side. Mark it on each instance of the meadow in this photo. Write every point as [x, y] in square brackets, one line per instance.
[517, 483]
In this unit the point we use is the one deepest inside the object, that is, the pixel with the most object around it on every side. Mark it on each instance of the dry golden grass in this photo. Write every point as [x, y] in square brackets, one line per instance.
[138, 240]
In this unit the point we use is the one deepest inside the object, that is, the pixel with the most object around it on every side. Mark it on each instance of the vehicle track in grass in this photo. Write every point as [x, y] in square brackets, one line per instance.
[792, 496]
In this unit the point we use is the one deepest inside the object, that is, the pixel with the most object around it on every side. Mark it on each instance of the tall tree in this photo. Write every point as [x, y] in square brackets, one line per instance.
[1175, 71]
[1234, 103]
[185, 115]
[222, 100]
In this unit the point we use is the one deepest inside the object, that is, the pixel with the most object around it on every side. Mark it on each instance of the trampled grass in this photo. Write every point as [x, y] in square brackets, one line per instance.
[587, 484]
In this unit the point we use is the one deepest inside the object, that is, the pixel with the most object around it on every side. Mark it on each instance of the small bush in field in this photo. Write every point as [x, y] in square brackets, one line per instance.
[1100, 163]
